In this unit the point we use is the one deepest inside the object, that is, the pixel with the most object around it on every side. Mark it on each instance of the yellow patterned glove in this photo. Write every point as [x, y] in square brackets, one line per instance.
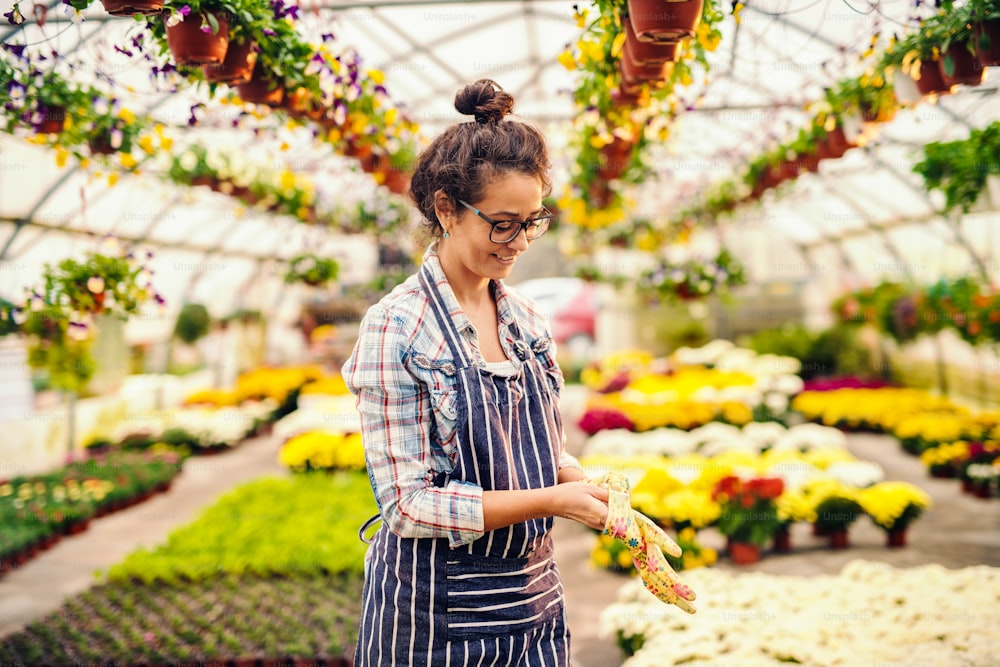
[646, 542]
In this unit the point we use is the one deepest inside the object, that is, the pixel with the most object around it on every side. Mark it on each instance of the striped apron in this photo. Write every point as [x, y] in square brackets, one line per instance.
[498, 600]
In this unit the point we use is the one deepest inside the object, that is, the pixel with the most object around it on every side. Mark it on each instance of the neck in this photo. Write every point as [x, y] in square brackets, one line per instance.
[472, 291]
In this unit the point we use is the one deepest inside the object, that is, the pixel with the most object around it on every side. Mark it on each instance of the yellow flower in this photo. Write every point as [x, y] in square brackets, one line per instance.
[61, 156]
[737, 10]
[112, 179]
[886, 502]
[707, 37]
[581, 17]
[567, 60]
[127, 161]
[377, 76]
[127, 116]
[146, 144]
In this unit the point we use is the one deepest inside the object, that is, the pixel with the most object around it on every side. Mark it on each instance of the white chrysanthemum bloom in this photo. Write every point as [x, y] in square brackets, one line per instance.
[773, 364]
[811, 436]
[609, 441]
[788, 384]
[737, 443]
[859, 474]
[736, 359]
[669, 442]
[794, 473]
[764, 433]
[714, 431]
[188, 160]
[776, 403]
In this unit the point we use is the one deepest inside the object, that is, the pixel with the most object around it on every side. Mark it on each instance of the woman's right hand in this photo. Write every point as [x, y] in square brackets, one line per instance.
[582, 502]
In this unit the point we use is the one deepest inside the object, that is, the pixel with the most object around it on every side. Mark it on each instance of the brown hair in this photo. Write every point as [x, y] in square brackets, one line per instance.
[466, 157]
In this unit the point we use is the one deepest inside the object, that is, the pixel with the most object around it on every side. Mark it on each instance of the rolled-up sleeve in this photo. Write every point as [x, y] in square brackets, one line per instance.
[396, 429]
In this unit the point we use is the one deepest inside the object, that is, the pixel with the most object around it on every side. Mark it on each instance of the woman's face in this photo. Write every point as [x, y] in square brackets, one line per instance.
[512, 196]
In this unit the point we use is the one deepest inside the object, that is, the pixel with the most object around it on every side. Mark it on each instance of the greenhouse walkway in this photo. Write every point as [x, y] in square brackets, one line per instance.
[959, 531]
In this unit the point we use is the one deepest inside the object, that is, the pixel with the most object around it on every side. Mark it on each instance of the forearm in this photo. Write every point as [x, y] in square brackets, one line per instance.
[505, 508]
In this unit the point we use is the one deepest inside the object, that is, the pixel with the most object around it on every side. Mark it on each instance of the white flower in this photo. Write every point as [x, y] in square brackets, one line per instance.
[859, 474]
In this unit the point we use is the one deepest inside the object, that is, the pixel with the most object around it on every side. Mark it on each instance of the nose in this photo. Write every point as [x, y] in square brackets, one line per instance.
[519, 242]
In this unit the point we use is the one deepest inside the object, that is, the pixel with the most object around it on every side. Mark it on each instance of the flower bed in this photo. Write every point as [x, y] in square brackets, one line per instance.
[36, 510]
[695, 386]
[270, 572]
[692, 480]
[870, 612]
[269, 527]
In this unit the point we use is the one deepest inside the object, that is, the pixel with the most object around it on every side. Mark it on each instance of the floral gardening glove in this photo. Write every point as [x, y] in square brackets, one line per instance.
[646, 541]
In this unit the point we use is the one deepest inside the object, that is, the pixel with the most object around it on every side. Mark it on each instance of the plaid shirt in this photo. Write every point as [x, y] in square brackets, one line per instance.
[405, 383]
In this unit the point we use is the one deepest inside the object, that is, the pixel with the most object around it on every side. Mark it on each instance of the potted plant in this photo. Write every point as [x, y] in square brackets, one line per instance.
[749, 514]
[311, 269]
[661, 22]
[893, 507]
[985, 18]
[959, 61]
[834, 515]
[282, 60]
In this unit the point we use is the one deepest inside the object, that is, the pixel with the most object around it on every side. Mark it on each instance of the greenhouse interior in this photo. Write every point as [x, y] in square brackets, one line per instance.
[770, 285]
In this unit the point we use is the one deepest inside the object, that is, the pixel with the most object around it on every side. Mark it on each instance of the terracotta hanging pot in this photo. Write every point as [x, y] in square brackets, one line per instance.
[626, 98]
[654, 74]
[808, 162]
[51, 121]
[960, 66]
[930, 80]
[661, 22]
[397, 181]
[301, 103]
[646, 53]
[615, 157]
[190, 46]
[236, 67]
[261, 89]
[987, 36]
[132, 7]
[837, 143]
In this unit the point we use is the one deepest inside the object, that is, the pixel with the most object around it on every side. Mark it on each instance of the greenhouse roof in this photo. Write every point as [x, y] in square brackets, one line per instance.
[859, 218]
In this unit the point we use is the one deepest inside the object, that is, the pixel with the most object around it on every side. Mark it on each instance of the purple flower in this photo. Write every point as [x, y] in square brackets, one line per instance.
[122, 51]
[16, 49]
[328, 37]
[269, 32]
[14, 16]
[185, 11]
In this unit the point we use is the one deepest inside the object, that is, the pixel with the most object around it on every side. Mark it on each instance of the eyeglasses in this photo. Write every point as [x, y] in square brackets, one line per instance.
[505, 231]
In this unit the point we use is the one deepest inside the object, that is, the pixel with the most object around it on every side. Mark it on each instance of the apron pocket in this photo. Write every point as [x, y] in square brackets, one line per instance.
[489, 597]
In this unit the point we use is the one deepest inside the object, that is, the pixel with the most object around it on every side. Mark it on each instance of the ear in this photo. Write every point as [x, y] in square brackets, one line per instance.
[444, 209]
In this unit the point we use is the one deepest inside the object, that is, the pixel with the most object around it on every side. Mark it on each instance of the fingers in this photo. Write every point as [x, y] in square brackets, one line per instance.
[655, 535]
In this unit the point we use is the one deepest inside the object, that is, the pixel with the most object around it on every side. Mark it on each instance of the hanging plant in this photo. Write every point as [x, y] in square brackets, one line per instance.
[692, 279]
[312, 270]
[59, 316]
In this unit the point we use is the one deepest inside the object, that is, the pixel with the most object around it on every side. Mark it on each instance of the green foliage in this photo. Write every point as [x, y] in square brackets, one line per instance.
[837, 512]
[835, 351]
[959, 168]
[192, 322]
[311, 269]
[198, 623]
[303, 525]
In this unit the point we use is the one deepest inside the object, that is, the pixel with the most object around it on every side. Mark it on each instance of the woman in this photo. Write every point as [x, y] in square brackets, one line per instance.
[458, 391]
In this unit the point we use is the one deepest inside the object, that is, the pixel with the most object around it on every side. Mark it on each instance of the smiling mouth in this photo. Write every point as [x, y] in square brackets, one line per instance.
[509, 258]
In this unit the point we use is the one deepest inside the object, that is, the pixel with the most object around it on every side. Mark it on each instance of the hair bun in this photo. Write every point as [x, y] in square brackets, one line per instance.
[485, 100]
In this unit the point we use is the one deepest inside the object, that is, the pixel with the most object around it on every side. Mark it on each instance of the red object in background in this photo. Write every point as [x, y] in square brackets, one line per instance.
[577, 318]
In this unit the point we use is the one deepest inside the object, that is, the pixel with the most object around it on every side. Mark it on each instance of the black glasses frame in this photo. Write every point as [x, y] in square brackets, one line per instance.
[544, 219]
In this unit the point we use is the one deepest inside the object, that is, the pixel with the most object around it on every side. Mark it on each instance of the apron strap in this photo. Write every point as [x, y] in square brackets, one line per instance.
[442, 317]
[368, 524]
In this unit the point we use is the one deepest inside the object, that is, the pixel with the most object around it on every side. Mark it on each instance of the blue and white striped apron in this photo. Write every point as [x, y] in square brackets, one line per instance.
[498, 600]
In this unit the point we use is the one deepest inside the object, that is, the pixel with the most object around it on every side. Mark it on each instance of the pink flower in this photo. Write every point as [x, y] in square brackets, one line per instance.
[618, 528]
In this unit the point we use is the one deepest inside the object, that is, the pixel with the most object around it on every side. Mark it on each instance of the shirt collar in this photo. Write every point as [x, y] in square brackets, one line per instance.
[433, 262]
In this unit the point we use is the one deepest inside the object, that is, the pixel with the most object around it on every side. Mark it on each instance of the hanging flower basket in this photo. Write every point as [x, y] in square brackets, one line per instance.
[960, 66]
[614, 158]
[646, 53]
[100, 144]
[302, 103]
[930, 81]
[261, 89]
[987, 36]
[655, 74]
[397, 181]
[133, 7]
[49, 121]
[662, 22]
[237, 67]
[191, 45]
